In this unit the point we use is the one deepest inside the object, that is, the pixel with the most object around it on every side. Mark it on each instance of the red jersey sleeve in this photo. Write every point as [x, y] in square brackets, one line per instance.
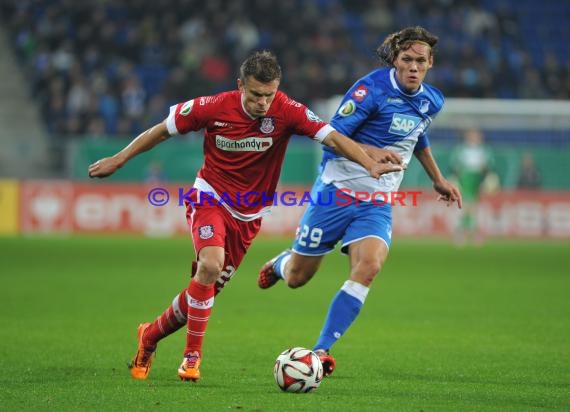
[190, 116]
[303, 121]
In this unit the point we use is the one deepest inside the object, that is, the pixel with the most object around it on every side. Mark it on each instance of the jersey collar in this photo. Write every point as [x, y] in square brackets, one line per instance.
[396, 85]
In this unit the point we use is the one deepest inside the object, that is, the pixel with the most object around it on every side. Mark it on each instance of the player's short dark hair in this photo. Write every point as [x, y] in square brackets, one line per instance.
[262, 66]
[394, 43]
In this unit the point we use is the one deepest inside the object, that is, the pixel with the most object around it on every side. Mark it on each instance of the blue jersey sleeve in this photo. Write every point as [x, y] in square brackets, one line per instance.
[356, 107]
[422, 143]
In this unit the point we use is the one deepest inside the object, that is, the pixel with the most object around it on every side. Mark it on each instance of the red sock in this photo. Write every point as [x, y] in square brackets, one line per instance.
[172, 319]
[200, 302]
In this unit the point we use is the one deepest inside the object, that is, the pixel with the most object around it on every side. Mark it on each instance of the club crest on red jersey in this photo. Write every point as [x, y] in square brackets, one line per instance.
[360, 93]
[206, 231]
[267, 125]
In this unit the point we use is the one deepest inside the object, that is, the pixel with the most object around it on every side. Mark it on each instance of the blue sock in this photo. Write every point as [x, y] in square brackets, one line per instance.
[280, 262]
[343, 310]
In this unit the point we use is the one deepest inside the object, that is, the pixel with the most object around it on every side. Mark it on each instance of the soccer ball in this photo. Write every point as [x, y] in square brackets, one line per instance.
[298, 370]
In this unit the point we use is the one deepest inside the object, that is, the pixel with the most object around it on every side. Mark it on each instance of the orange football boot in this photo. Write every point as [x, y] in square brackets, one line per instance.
[140, 365]
[189, 369]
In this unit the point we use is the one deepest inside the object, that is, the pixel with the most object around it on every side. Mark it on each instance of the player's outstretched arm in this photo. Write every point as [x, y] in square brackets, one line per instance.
[143, 142]
[447, 191]
[348, 148]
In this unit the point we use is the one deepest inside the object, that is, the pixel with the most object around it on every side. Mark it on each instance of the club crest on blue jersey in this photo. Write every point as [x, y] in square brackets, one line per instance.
[206, 231]
[403, 124]
[267, 125]
[424, 106]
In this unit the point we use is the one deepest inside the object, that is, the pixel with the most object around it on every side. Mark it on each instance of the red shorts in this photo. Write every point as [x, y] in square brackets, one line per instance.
[215, 226]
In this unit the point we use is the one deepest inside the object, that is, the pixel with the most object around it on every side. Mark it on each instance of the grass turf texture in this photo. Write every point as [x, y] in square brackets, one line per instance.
[474, 329]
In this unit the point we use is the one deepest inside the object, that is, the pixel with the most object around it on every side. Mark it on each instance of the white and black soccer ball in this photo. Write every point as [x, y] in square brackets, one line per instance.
[298, 370]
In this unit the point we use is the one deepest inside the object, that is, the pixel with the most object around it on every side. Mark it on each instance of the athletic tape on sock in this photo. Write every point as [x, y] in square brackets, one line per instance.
[355, 289]
[282, 264]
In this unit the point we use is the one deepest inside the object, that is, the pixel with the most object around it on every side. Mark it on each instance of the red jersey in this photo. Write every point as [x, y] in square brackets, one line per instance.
[243, 155]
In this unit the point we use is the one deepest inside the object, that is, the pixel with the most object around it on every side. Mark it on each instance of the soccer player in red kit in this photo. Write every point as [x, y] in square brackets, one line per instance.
[246, 132]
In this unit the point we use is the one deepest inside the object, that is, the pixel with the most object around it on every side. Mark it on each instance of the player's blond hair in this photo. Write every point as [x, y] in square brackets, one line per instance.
[396, 42]
[262, 66]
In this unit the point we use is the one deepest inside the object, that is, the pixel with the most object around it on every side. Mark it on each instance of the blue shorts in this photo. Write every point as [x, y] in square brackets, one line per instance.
[332, 218]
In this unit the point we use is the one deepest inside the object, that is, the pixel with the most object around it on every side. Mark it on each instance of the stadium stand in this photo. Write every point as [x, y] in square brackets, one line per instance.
[110, 69]
[103, 68]
[23, 142]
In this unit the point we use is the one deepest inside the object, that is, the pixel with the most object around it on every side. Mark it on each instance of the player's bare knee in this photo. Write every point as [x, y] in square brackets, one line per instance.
[209, 270]
[371, 266]
[366, 271]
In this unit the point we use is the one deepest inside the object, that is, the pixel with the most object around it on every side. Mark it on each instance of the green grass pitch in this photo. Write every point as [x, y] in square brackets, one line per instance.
[443, 329]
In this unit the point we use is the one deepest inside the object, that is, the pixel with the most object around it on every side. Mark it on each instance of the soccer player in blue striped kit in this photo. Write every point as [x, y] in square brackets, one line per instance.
[390, 108]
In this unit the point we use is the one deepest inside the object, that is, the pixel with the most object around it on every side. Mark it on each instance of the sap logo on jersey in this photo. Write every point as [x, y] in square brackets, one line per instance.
[403, 124]
[249, 144]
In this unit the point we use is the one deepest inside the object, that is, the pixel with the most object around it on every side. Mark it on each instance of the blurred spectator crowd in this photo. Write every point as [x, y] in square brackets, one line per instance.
[103, 67]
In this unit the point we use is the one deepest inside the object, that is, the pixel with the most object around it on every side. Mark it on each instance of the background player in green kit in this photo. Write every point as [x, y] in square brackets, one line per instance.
[472, 165]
